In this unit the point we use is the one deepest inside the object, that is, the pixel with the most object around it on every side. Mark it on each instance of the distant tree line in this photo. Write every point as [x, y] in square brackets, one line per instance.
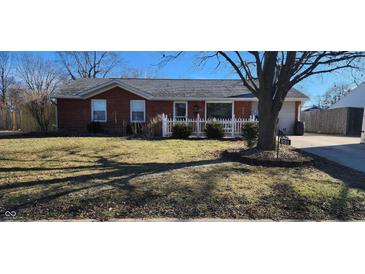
[334, 94]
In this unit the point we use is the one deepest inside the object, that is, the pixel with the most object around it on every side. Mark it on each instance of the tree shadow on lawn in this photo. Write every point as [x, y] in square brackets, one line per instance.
[39, 195]
[283, 203]
[57, 134]
[174, 200]
[286, 202]
[111, 188]
[344, 207]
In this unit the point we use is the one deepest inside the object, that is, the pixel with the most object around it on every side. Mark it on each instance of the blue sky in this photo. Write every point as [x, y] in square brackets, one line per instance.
[186, 66]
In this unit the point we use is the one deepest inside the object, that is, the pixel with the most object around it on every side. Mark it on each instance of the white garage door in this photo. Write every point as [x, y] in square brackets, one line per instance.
[286, 116]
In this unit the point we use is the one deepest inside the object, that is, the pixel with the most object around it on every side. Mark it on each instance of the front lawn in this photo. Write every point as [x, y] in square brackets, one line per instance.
[107, 178]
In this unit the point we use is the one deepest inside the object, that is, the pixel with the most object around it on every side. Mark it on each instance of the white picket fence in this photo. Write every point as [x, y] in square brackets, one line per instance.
[232, 127]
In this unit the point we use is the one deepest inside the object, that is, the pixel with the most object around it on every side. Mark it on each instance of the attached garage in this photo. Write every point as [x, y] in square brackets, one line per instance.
[287, 116]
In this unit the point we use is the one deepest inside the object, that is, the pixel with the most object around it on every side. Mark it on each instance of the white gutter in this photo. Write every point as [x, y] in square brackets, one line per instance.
[188, 98]
[66, 97]
[85, 94]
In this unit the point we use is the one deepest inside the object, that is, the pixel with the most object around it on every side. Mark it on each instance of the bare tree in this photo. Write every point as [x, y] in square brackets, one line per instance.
[130, 72]
[6, 79]
[16, 95]
[269, 75]
[40, 78]
[89, 64]
[334, 94]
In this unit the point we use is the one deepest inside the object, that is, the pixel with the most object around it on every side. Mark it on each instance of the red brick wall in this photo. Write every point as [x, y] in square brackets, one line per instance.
[118, 106]
[199, 106]
[154, 108]
[75, 115]
[242, 109]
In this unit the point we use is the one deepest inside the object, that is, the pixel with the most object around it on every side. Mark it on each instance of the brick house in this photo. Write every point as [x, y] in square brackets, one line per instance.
[115, 101]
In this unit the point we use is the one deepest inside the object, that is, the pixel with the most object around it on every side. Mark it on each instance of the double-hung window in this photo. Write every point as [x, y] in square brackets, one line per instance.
[180, 110]
[98, 110]
[138, 111]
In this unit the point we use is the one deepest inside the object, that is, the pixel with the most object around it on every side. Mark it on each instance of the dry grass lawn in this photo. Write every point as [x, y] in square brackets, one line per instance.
[106, 178]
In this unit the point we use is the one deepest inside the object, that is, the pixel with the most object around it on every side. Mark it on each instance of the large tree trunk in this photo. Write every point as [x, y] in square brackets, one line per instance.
[267, 125]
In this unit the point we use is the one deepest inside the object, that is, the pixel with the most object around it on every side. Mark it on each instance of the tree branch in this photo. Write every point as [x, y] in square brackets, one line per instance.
[236, 68]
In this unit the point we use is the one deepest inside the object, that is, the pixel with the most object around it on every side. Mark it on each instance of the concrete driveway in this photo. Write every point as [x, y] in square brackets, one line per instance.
[346, 151]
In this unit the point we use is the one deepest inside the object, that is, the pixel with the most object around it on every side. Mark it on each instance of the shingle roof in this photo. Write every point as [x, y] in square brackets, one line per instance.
[169, 88]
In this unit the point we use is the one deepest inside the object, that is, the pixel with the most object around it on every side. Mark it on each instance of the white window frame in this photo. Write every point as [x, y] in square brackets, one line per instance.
[92, 110]
[218, 102]
[144, 111]
[186, 108]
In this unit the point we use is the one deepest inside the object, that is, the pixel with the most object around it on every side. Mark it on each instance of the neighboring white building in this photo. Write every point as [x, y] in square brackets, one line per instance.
[355, 99]
[363, 128]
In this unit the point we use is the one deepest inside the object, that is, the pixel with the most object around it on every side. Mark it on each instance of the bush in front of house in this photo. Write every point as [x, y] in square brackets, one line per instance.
[181, 131]
[135, 129]
[37, 113]
[154, 126]
[94, 127]
[214, 130]
[250, 133]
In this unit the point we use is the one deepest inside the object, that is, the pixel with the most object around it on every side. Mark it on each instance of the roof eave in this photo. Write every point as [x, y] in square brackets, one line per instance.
[182, 98]
[59, 96]
[111, 84]
[90, 92]
[254, 99]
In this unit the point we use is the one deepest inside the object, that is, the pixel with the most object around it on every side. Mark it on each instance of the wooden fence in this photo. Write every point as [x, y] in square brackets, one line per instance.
[341, 121]
[9, 119]
[21, 119]
[232, 127]
[29, 123]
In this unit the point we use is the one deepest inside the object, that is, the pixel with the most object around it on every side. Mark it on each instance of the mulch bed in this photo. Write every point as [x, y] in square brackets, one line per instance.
[288, 157]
